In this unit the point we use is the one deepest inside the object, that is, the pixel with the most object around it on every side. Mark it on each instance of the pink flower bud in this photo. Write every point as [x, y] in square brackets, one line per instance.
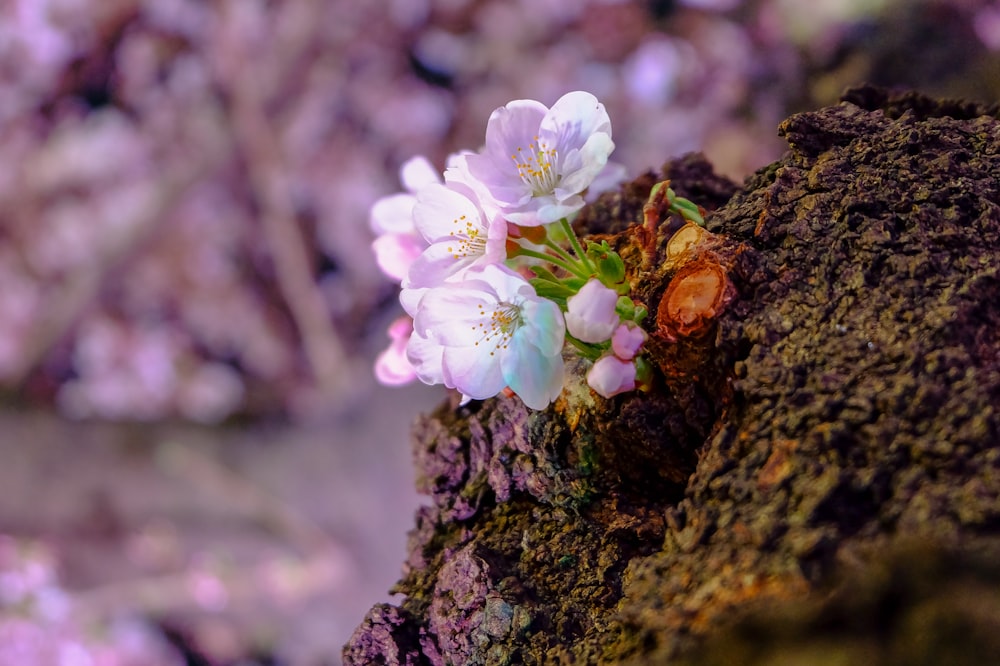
[590, 313]
[611, 376]
[627, 340]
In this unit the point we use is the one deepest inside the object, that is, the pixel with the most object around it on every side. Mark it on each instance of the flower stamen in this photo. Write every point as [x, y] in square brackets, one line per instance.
[468, 237]
[536, 167]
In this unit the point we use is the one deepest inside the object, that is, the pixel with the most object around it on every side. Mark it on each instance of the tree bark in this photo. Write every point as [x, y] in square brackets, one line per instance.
[827, 390]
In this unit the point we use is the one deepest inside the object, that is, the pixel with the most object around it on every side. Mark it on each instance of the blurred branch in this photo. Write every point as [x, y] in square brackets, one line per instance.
[202, 470]
[258, 139]
[212, 587]
[80, 290]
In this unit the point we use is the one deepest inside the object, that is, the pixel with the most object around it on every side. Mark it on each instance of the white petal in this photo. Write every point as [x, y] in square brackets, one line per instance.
[457, 315]
[436, 264]
[441, 213]
[425, 357]
[395, 253]
[543, 326]
[514, 126]
[511, 129]
[473, 372]
[543, 210]
[393, 214]
[417, 172]
[410, 298]
[532, 375]
[574, 118]
[589, 162]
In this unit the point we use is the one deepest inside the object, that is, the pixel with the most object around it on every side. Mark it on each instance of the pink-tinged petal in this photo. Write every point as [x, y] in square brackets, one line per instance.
[392, 367]
[395, 253]
[425, 358]
[627, 340]
[515, 125]
[400, 329]
[535, 377]
[442, 213]
[393, 214]
[511, 133]
[611, 376]
[417, 172]
[466, 370]
[590, 313]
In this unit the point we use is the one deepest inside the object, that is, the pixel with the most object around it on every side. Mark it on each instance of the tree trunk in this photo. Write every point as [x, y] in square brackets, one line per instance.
[827, 390]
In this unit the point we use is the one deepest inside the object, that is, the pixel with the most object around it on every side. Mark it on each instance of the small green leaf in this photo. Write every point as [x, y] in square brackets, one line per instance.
[625, 308]
[551, 290]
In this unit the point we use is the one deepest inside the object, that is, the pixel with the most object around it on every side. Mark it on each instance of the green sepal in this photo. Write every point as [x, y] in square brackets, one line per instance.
[551, 290]
[643, 374]
[609, 265]
[688, 210]
[625, 307]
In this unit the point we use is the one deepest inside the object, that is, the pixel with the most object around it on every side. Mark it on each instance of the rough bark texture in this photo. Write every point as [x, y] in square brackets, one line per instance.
[828, 387]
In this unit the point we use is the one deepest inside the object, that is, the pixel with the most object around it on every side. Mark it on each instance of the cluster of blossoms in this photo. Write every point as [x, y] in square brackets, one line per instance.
[494, 281]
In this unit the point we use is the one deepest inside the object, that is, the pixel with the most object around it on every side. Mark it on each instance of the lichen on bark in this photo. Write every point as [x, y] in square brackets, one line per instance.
[838, 389]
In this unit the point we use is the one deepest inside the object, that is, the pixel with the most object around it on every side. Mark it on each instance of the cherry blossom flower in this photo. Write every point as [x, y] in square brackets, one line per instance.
[626, 341]
[460, 231]
[398, 244]
[537, 161]
[488, 332]
[611, 376]
[392, 368]
[590, 313]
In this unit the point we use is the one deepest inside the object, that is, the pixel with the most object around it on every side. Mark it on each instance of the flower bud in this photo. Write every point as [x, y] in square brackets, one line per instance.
[627, 340]
[611, 376]
[609, 264]
[590, 313]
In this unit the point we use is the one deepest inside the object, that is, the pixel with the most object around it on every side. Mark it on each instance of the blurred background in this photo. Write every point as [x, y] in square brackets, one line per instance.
[196, 466]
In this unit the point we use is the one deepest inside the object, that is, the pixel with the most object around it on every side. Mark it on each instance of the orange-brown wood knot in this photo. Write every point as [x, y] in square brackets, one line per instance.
[695, 296]
[683, 243]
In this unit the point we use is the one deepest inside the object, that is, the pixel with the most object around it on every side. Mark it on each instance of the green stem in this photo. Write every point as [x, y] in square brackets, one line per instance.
[577, 248]
[556, 261]
[587, 350]
[555, 247]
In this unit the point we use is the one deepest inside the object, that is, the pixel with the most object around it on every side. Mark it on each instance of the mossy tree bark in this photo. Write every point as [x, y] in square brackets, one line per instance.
[828, 359]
